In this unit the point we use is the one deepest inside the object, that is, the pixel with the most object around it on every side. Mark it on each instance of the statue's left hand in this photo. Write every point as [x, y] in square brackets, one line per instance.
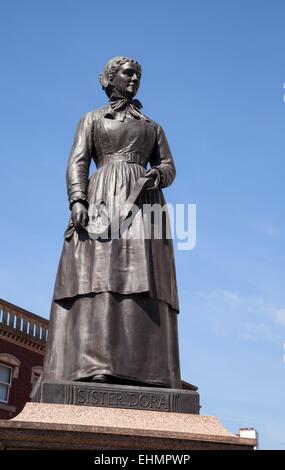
[155, 175]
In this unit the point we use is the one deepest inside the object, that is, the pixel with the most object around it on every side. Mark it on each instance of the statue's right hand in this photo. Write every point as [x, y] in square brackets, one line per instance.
[79, 214]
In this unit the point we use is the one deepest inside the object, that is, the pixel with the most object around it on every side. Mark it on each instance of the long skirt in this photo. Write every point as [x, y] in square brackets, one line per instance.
[132, 338]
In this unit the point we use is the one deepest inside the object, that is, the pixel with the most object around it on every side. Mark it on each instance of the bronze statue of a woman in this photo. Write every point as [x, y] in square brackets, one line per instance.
[115, 304]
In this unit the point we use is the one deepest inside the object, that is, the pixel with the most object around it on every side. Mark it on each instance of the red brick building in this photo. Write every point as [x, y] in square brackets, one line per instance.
[22, 343]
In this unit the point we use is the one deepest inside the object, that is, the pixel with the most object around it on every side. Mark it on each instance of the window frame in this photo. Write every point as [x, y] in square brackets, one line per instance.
[6, 383]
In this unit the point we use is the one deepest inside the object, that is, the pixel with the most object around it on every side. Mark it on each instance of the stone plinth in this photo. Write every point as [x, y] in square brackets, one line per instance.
[73, 427]
[118, 396]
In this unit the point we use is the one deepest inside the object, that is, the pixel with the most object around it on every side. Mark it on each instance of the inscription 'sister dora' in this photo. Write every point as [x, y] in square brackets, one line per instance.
[135, 400]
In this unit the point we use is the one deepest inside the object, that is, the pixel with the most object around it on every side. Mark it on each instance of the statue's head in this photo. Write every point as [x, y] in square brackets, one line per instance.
[121, 74]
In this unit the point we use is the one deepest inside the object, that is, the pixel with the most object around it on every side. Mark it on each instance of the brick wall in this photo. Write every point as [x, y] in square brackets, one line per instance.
[21, 386]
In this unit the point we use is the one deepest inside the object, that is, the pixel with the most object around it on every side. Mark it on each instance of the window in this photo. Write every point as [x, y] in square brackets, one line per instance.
[12, 361]
[5, 382]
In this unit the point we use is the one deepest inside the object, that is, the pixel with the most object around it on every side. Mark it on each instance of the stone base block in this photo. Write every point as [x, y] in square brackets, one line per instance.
[73, 427]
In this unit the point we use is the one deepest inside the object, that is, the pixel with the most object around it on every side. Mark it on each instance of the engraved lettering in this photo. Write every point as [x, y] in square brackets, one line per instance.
[94, 397]
[81, 396]
[111, 399]
[104, 398]
[153, 400]
[86, 396]
[99, 397]
[162, 403]
[125, 400]
[119, 398]
[144, 400]
[134, 400]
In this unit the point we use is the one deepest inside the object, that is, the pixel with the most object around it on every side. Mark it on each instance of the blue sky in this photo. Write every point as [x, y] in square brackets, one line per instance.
[213, 74]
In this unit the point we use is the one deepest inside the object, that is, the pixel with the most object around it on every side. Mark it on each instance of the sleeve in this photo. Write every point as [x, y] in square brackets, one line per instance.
[162, 159]
[79, 161]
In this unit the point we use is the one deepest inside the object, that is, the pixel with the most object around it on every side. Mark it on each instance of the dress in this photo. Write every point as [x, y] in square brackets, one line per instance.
[115, 303]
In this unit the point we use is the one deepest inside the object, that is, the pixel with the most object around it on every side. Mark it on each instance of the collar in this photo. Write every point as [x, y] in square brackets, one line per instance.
[121, 103]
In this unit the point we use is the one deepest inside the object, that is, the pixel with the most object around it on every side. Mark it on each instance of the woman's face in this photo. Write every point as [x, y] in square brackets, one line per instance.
[127, 79]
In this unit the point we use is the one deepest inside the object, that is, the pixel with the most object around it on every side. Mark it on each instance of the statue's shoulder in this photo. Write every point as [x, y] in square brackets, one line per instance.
[151, 121]
[157, 127]
[89, 117]
[97, 113]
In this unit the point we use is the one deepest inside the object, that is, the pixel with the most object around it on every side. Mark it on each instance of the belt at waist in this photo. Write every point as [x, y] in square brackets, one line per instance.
[129, 157]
